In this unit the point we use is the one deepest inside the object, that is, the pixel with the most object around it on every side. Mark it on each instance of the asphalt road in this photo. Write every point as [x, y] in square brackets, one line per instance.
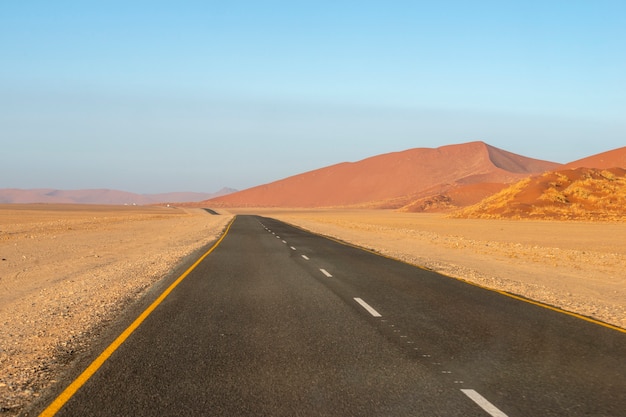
[280, 322]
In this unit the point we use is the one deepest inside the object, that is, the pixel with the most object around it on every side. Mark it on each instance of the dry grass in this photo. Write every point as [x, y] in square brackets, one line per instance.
[581, 194]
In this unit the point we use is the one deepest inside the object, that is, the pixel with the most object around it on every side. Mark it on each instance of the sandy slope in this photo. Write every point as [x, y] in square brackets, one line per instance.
[573, 194]
[391, 180]
[65, 271]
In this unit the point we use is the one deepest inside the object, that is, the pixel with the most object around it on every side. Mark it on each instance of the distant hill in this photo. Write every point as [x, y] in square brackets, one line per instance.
[451, 175]
[188, 196]
[100, 196]
[610, 159]
[573, 194]
[494, 182]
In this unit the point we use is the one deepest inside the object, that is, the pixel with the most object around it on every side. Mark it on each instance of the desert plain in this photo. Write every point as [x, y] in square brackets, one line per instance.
[68, 271]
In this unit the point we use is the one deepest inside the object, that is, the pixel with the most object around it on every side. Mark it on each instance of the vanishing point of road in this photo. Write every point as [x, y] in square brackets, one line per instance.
[276, 321]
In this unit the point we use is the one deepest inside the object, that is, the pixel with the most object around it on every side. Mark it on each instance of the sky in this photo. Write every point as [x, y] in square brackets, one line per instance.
[159, 96]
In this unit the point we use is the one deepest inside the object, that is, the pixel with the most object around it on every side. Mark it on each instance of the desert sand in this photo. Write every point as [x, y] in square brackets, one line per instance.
[395, 180]
[67, 271]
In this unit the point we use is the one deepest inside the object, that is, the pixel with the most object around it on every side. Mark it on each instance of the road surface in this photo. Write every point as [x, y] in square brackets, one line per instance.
[280, 322]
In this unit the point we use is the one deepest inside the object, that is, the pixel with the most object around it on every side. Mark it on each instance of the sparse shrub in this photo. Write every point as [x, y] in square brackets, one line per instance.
[582, 194]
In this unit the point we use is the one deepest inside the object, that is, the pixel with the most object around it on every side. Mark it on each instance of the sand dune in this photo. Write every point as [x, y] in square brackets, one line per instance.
[98, 196]
[574, 194]
[494, 182]
[391, 180]
[415, 180]
[615, 158]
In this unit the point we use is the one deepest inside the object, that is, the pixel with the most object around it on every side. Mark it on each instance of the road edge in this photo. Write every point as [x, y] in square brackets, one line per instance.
[502, 292]
[93, 367]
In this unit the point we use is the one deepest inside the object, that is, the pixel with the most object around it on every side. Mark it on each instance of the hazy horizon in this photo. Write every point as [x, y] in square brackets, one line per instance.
[149, 97]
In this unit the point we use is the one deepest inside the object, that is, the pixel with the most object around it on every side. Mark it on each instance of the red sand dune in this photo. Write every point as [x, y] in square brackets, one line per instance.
[460, 196]
[581, 193]
[610, 159]
[394, 180]
[98, 196]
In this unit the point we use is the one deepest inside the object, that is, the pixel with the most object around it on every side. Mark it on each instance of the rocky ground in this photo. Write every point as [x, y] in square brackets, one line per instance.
[67, 271]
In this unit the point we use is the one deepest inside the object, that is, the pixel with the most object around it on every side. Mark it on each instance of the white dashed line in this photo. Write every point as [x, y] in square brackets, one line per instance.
[483, 403]
[367, 307]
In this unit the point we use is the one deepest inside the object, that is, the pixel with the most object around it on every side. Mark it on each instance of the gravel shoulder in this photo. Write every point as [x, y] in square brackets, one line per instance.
[65, 270]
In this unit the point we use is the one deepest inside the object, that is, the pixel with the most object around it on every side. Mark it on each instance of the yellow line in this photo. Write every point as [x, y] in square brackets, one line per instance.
[559, 310]
[508, 294]
[65, 396]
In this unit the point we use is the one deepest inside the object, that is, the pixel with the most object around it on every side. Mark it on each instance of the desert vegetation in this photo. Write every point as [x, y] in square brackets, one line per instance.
[578, 194]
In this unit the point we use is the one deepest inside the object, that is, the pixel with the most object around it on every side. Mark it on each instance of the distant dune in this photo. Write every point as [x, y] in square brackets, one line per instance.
[481, 179]
[99, 196]
[449, 176]
[610, 159]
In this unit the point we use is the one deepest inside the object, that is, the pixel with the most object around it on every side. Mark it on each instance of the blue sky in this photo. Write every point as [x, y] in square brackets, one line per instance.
[156, 96]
